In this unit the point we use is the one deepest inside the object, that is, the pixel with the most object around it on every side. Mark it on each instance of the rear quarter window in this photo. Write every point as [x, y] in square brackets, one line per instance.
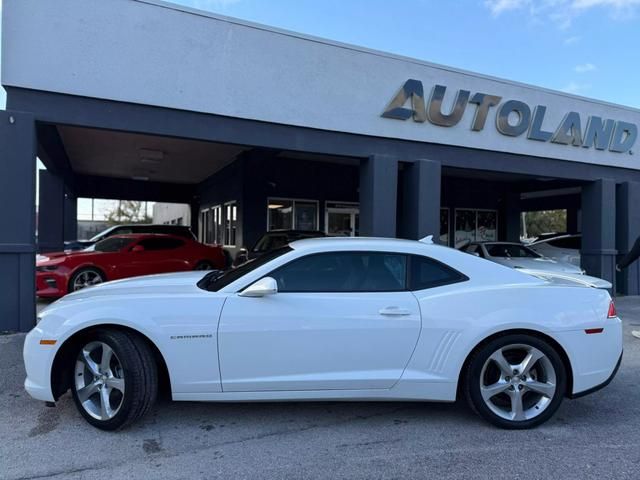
[425, 272]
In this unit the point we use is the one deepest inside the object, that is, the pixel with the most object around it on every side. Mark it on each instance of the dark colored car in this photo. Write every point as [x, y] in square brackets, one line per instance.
[123, 256]
[273, 240]
[178, 230]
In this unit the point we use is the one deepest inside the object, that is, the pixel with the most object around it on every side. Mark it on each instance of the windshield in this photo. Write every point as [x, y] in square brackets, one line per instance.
[100, 235]
[510, 251]
[112, 244]
[217, 280]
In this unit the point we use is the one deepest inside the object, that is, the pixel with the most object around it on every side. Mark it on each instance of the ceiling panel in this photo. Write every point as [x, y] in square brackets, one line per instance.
[144, 157]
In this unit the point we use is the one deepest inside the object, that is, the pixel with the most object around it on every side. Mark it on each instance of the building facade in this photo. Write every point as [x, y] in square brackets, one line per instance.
[257, 128]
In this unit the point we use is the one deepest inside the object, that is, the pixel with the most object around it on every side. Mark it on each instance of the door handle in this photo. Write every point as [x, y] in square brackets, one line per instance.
[394, 311]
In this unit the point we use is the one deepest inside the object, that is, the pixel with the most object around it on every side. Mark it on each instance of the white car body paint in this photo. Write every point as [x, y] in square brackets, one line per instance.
[567, 255]
[539, 264]
[219, 346]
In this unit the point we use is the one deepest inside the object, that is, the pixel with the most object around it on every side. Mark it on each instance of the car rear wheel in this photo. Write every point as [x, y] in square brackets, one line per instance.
[84, 278]
[204, 265]
[115, 379]
[516, 381]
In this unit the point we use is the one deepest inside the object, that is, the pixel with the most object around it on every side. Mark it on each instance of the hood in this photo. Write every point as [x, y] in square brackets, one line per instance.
[50, 256]
[542, 264]
[163, 284]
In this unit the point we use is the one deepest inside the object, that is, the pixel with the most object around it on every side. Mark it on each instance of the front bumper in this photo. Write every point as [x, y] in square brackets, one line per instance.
[51, 284]
[37, 361]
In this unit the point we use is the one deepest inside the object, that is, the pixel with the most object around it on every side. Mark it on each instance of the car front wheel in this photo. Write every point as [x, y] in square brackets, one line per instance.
[84, 278]
[115, 379]
[516, 381]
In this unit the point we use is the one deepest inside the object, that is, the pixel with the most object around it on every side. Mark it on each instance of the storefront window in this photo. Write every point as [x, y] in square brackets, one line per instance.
[444, 226]
[231, 211]
[212, 226]
[280, 215]
[487, 230]
[476, 225]
[306, 214]
[286, 214]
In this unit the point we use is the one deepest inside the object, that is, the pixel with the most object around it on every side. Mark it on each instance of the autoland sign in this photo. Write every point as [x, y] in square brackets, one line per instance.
[601, 134]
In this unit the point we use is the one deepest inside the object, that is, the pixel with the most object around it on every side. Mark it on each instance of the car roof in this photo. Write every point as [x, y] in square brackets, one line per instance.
[138, 236]
[364, 243]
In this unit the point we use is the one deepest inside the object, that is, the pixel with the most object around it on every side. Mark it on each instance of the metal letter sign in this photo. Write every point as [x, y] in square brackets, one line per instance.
[513, 118]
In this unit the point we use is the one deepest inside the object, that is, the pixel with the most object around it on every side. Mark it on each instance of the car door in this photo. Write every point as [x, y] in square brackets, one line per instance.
[340, 320]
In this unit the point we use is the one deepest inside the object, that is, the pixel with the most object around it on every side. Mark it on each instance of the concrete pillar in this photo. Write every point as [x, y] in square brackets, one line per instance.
[627, 231]
[195, 216]
[378, 196]
[598, 254]
[17, 241]
[57, 213]
[421, 200]
[70, 216]
[512, 216]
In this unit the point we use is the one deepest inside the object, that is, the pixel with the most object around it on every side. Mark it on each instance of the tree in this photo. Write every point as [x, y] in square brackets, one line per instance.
[545, 221]
[128, 211]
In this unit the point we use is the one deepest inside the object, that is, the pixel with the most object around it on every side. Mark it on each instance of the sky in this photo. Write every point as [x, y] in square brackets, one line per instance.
[585, 47]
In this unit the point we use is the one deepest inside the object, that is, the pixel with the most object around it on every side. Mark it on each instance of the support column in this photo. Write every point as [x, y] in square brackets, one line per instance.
[70, 216]
[598, 229]
[627, 231]
[512, 217]
[17, 237]
[378, 196]
[195, 217]
[51, 213]
[421, 200]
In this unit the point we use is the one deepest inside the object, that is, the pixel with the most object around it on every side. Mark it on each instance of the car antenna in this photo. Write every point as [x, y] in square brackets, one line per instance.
[428, 240]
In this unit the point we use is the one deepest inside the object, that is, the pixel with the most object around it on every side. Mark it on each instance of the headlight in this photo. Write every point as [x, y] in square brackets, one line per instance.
[47, 268]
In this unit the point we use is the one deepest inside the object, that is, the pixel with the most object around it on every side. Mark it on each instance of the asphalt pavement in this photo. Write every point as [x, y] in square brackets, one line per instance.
[597, 436]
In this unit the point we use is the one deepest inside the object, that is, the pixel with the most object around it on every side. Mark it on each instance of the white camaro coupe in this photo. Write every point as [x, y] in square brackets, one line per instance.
[330, 319]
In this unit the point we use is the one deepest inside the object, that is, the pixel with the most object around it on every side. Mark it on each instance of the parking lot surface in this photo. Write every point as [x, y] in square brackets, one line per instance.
[597, 436]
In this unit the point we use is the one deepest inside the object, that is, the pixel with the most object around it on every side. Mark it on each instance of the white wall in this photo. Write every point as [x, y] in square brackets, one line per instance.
[154, 53]
[168, 212]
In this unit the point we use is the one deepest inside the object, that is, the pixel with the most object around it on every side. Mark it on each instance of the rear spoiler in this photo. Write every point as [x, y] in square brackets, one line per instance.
[568, 278]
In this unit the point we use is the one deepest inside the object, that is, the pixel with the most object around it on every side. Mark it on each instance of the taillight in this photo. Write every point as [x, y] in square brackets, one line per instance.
[612, 310]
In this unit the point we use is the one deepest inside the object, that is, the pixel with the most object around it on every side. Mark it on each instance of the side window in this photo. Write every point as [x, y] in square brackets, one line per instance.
[344, 272]
[428, 273]
[154, 244]
[121, 231]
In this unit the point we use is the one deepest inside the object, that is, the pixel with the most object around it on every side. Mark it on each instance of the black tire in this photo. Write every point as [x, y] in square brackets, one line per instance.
[204, 265]
[84, 271]
[138, 370]
[479, 370]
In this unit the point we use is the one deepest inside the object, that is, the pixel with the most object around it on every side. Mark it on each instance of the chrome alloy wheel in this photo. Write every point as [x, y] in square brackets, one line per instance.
[518, 382]
[99, 381]
[86, 279]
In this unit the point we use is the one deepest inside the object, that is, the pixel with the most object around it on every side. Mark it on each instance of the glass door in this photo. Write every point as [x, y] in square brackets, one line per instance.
[342, 219]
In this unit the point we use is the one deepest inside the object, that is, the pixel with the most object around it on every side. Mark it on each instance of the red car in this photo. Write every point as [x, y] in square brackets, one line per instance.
[123, 256]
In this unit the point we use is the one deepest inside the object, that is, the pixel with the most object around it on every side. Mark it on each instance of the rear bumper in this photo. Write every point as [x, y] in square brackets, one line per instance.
[600, 386]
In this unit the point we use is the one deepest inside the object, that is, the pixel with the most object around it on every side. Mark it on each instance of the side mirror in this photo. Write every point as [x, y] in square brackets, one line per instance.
[137, 249]
[264, 286]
